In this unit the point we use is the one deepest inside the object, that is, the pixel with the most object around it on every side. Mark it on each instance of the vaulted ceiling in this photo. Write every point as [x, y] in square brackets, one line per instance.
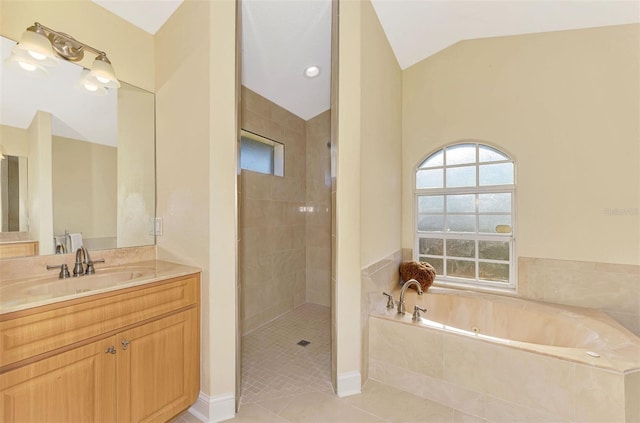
[282, 37]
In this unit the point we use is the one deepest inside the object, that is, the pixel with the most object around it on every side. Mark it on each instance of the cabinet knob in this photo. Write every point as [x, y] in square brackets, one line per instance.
[125, 344]
[111, 350]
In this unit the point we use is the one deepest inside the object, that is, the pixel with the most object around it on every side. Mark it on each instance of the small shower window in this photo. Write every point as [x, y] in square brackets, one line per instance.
[465, 201]
[261, 154]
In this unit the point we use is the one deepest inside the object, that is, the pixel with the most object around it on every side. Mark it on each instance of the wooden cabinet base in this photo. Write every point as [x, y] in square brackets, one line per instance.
[142, 371]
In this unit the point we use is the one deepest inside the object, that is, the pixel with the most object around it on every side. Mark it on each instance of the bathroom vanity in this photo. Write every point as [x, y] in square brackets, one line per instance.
[122, 345]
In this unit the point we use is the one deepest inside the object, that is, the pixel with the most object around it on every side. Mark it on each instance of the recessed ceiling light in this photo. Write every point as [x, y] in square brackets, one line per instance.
[312, 71]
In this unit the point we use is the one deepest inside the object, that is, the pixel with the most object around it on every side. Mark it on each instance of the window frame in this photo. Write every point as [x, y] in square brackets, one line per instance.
[278, 152]
[442, 279]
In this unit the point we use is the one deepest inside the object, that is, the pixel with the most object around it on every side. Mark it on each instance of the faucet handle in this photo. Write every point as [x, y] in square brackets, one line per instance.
[90, 269]
[390, 302]
[416, 312]
[64, 270]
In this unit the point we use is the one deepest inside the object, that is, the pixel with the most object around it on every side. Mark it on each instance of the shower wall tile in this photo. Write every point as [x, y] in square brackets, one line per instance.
[613, 288]
[272, 220]
[318, 209]
[260, 125]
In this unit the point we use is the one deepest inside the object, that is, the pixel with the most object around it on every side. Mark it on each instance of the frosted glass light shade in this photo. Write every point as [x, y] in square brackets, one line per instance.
[102, 73]
[37, 46]
[89, 85]
[25, 62]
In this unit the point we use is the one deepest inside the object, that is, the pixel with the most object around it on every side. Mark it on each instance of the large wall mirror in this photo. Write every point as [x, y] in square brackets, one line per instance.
[76, 165]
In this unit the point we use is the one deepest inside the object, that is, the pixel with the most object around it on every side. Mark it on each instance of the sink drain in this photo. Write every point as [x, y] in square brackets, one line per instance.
[475, 329]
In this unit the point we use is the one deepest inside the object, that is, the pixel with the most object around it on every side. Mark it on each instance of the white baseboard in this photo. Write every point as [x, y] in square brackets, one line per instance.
[214, 409]
[349, 384]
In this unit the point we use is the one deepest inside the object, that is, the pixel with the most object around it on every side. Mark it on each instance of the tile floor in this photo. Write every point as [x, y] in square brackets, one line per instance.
[283, 382]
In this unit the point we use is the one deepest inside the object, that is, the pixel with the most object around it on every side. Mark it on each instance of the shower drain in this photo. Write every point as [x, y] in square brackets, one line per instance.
[304, 343]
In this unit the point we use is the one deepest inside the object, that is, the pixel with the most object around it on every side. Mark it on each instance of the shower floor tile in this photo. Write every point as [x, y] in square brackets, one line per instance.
[274, 365]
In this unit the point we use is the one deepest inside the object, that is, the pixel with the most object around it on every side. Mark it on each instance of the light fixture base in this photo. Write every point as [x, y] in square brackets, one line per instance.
[66, 46]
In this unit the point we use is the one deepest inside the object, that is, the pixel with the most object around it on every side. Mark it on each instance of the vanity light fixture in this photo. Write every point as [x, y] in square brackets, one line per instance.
[39, 45]
[312, 71]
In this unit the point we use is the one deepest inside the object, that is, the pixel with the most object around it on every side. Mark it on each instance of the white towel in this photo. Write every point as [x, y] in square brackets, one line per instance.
[76, 241]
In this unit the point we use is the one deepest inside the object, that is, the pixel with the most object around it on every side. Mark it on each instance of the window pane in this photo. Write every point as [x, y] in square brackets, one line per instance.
[436, 263]
[461, 176]
[461, 154]
[461, 203]
[434, 160]
[431, 204]
[489, 223]
[495, 203]
[493, 250]
[461, 248]
[494, 272]
[496, 174]
[431, 223]
[429, 178]
[457, 223]
[431, 246]
[256, 156]
[488, 154]
[461, 268]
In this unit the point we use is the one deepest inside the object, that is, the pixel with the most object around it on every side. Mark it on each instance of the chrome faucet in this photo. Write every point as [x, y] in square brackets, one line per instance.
[406, 285]
[78, 270]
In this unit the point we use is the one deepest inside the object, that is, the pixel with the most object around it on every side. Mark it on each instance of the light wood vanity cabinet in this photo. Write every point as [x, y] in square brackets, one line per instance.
[142, 367]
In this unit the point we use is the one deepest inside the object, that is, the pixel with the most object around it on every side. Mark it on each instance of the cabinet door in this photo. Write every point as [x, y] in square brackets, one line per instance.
[74, 386]
[158, 368]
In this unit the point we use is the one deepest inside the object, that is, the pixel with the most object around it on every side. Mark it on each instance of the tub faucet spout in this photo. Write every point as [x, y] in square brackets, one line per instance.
[407, 284]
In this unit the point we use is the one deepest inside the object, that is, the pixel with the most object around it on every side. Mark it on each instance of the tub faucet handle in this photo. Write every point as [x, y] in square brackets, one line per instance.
[390, 302]
[416, 313]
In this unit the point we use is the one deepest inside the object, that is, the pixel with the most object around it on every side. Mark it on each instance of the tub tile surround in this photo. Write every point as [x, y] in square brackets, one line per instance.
[516, 384]
[37, 266]
[510, 384]
[381, 276]
[612, 288]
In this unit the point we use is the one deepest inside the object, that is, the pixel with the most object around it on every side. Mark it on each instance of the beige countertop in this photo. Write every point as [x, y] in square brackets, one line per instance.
[25, 293]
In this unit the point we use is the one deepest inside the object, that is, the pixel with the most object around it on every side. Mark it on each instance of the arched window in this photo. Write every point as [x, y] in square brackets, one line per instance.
[465, 200]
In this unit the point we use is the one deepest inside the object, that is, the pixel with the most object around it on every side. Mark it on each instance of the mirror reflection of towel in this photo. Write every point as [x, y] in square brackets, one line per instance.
[76, 241]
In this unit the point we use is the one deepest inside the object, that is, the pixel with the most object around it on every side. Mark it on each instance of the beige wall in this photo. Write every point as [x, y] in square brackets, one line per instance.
[196, 168]
[129, 48]
[182, 150]
[84, 187]
[14, 141]
[381, 150]
[136, 167]
[368, 174]
[346, 287]
[565, 105]
[40, 186]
